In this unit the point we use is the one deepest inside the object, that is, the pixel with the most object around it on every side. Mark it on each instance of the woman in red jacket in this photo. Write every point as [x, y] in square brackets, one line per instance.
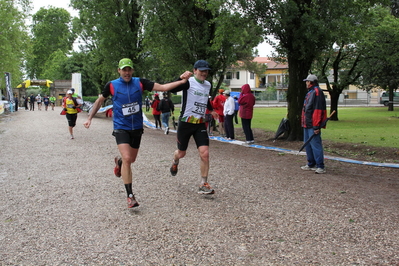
[246, 102]
[218, 106]
[156, 113]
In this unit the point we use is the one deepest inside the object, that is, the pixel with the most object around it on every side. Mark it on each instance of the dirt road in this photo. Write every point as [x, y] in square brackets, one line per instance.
[62, 205]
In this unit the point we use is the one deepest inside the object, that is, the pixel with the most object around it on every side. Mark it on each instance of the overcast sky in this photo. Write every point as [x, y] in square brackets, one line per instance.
[264, 49]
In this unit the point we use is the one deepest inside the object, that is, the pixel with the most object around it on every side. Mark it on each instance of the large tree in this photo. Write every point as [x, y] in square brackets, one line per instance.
[304, 29]
[381, 66]
[110, 30]
[52, 31]
[177, 33]
[14, 41]
[340, 65]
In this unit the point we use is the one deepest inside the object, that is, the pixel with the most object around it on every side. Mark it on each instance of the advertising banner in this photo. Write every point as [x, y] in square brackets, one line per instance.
[10, 95]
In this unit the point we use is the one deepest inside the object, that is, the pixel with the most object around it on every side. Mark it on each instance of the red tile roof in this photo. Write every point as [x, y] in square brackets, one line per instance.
[270, 64]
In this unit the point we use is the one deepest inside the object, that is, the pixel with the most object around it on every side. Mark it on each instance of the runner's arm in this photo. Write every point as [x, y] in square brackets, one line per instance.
[96, 106]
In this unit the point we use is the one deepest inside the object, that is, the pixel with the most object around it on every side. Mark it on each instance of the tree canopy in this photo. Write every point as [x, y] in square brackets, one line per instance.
[305, 29]
[52, 31]
[177, 33]
[14, 41]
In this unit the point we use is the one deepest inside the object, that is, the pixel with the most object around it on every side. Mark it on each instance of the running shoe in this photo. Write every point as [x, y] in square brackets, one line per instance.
[173, 169]
[308, 168]
[320, 171]
[206, 189]
[131, 202]
[118, 166]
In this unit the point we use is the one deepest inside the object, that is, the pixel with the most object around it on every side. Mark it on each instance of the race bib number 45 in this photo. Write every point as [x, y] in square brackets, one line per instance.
[130, 108]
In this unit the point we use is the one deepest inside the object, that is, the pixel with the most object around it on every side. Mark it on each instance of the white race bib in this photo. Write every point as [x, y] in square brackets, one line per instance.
[130, 108]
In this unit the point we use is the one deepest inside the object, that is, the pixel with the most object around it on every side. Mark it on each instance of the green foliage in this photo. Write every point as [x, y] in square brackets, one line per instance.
[90, 98]
[304, 29]
[381, 66]
[176, 99]
[190, 30]
[110, 31]
[342, 65]
[52, 32]
[14, 41]
[53, 67]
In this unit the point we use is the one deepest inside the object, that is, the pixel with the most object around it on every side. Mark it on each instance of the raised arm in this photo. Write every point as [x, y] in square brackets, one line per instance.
[170, 86]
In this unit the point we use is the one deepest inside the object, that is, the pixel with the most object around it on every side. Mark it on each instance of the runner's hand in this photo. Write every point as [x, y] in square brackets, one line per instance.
[186, 75]
[87, 124]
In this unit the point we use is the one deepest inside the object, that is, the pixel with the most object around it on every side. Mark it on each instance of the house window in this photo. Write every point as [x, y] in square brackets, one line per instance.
[228, 75]
[252, 75]
[237, 75]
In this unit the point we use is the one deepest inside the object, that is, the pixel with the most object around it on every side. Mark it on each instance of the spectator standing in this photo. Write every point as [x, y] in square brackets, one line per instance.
[26, 102]
[228, 112]
[166, 107]
[209, 120]
[147, 104]
[246, 102]
[32, 102]
[217, 104]
[127, 101]
[155, 112]
[16, 102]
[236, 108]
[314, 113]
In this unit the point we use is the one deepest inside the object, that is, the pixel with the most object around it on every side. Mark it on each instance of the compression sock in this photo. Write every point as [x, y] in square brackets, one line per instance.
[129, 190]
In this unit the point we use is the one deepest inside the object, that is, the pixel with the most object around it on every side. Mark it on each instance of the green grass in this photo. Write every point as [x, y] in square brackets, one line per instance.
[374, 126]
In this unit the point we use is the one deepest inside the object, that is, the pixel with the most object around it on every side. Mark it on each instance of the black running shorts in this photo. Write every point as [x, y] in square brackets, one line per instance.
[186, 130]
[71, 119]
[131, 137]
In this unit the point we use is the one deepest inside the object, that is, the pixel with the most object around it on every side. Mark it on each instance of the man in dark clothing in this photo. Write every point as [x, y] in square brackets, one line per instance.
[32, 100]
[166, 107]
[313, 115]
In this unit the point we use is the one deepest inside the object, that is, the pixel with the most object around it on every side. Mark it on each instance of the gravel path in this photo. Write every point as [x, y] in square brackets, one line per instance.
[62, 205]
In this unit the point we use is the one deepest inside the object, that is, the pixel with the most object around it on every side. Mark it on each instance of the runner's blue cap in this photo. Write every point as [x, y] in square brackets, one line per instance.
[201, 65]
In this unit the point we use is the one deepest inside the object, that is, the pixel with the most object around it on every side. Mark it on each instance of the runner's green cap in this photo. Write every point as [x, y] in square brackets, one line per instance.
[125, 62]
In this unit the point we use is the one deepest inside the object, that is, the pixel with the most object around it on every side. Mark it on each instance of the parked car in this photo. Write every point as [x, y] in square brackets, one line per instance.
[384, 98]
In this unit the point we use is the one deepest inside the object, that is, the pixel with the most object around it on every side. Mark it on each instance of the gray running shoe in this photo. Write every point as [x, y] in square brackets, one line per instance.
[320, 171]
[308, 168]
[206, 189]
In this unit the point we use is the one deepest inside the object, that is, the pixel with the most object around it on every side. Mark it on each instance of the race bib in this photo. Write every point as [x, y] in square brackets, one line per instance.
[130, 108]
[199, 108]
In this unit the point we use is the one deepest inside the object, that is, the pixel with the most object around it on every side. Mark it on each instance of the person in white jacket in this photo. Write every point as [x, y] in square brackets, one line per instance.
[228, 112]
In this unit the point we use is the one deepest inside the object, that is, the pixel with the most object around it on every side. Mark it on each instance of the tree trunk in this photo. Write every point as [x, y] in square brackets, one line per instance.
[334, 95]
[298, 70]
[390, 105]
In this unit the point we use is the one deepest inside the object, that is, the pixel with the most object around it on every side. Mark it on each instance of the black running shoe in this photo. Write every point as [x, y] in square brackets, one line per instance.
[173, 169]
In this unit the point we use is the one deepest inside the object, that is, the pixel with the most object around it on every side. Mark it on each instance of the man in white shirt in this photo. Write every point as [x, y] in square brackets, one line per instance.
[228, 111]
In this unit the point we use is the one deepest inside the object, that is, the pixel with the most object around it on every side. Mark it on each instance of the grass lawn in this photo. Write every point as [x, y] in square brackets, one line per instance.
[373, 126]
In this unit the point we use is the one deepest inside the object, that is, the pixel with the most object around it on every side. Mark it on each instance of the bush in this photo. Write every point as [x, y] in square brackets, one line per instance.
[91, 99]
[176, 99]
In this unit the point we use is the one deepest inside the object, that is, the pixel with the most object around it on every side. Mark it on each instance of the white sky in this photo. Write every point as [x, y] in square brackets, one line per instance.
[264, 49]
[37, 4]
